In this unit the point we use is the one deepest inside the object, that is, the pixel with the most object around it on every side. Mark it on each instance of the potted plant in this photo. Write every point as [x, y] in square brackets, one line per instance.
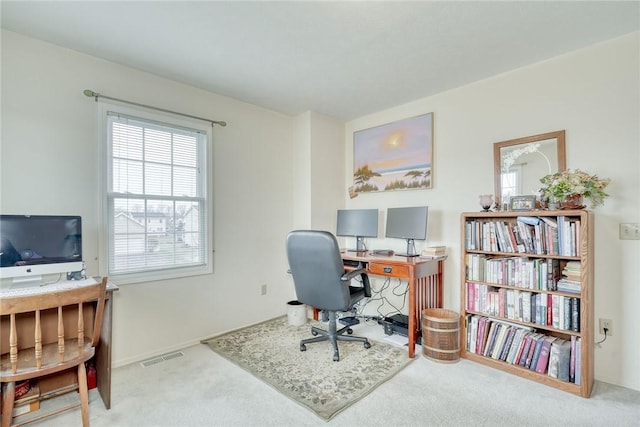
[569, 188]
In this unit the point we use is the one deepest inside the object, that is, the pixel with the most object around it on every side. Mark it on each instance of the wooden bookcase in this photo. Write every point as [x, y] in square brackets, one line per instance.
[504, 287]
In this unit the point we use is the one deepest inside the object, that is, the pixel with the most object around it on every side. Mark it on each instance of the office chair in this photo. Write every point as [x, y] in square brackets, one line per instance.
[321, 282]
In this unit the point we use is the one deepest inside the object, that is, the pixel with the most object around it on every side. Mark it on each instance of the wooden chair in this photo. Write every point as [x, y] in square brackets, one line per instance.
[30, 356]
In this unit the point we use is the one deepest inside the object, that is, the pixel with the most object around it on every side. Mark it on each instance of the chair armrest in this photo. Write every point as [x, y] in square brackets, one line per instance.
[347, 276]
[350, 274]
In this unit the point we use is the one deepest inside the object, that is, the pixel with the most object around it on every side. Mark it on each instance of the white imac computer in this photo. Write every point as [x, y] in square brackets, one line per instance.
[32, 246]
[407, 223]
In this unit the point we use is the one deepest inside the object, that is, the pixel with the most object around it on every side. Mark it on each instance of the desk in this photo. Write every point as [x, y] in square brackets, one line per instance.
[425, 282]
[64, 381]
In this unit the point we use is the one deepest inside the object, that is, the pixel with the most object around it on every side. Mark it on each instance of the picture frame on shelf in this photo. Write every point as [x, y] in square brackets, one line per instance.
[522, 203]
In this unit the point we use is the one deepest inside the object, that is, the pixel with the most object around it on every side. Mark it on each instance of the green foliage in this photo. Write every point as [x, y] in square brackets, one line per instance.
[575, 182]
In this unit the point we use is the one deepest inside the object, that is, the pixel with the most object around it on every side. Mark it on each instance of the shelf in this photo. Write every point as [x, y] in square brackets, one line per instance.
[525, 324]
[523, 372]
[523, 254]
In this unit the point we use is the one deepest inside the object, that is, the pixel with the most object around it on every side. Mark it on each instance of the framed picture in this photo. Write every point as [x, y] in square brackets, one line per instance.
[522, 203]
[395, 156]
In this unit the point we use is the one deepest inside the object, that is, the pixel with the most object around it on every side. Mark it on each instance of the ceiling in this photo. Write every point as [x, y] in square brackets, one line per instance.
[343, 59]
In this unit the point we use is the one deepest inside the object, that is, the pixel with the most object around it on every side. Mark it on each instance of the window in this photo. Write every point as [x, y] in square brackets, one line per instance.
[511, 183]
[157, 201]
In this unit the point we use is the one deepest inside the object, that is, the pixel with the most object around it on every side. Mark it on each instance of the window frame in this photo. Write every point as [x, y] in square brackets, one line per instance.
[106, 229]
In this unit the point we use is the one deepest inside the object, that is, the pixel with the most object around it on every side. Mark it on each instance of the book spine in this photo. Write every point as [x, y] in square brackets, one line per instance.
[543, 358]
[536, 354]
[575, 314]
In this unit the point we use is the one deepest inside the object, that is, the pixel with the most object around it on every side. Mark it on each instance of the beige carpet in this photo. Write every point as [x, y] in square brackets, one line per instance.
[271, 352]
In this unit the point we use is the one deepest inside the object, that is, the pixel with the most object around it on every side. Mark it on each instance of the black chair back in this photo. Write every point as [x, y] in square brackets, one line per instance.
[316, 267]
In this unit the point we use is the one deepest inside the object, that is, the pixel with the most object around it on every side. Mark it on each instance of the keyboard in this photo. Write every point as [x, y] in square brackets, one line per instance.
[44, 288]
[351, 263]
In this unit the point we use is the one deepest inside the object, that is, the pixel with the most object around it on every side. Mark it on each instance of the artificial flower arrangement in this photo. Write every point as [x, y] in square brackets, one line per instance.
[574, 182]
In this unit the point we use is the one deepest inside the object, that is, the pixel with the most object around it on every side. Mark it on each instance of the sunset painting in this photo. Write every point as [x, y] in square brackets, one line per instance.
[394, 156]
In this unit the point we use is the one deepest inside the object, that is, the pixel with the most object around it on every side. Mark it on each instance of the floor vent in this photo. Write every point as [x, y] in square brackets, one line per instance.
[160, 359]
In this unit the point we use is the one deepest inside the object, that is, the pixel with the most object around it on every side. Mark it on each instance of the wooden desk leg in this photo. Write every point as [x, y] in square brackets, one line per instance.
[103, 354]
[412, 315]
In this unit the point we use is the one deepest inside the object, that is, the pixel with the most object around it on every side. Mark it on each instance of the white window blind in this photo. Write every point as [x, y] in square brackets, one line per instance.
[156, 196]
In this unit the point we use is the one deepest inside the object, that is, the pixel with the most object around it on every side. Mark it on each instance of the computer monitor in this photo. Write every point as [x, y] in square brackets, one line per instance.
[35, 245]
[358, 223]
[407, 223]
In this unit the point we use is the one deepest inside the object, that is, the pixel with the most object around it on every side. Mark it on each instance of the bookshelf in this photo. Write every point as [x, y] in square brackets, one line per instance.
[526, 295]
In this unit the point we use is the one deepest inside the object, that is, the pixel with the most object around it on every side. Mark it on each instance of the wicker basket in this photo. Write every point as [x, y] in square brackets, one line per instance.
[441, 335]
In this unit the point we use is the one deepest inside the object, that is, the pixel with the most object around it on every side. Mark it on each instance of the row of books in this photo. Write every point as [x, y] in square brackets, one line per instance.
[534, 235]
[521, 346]
[558, 311]
[521, 272]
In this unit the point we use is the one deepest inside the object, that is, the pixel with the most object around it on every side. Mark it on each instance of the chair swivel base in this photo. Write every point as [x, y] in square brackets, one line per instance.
[334, 335]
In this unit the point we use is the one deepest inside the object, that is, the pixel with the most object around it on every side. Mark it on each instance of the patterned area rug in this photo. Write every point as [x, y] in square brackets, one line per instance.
[271, 352]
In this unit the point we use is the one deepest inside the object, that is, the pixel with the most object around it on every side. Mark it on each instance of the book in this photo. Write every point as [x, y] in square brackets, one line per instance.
[491, 339]
[482, 335]
[508, 342]
[578, 359]
[29, 402]
[549, 221]
[500, 237]
[473, 334]
[513, 244]
[530, 220]
[526, 306]
[564, 363]
[434, 251]
[532, 347]
[572, 360]
[554, 359]
[536, 353]
[567, 314]
[575, 314]
[521, 347]
[522, 360]
[555, 311]
[516, 346]
[543, 358]
[520, 247]
[566, 285]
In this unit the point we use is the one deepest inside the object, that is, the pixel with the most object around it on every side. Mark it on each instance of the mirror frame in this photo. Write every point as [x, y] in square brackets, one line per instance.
[559, 136]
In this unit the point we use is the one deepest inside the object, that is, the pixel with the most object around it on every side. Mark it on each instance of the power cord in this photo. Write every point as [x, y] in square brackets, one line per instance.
[603, 339]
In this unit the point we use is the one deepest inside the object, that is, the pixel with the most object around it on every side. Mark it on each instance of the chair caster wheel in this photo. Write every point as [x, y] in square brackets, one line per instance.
[303, 347]
[336, 358]
[367, 345]
[314, 333]
[349, 331]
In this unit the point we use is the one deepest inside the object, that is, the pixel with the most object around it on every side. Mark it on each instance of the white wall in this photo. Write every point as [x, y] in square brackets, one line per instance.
[50, 162]
[318, 170]
[594, 94]
[327, 176]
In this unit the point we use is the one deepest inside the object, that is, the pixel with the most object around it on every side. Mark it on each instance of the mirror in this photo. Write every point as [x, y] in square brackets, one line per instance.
[519, 164]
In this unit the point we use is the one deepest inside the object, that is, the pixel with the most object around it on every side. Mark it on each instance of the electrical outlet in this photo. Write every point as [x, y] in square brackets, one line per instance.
[629, 231]
[263, 289]
[606, 323]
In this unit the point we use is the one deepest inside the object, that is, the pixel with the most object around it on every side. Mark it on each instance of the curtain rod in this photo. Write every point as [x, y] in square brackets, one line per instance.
[97, 95]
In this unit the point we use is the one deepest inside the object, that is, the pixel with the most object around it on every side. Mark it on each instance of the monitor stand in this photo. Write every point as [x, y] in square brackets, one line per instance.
[411, 249]
[360, 246]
